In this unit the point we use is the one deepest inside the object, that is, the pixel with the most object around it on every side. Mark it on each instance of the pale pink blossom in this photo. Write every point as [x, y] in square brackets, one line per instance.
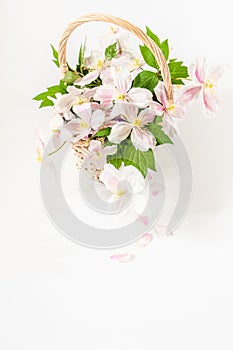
[118, 89]
[74, 98]
[96, 159]
[171, 111]
[87, 121]
[133, 122]
[205, 85]
[122, 183]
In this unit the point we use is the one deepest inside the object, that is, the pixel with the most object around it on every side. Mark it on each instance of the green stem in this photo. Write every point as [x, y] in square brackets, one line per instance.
[51, 153]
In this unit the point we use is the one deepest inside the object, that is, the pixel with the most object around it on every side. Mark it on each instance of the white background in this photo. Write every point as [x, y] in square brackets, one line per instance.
[56, 295]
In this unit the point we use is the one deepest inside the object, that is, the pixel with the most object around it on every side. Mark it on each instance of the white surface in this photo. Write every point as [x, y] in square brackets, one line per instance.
[56, 295]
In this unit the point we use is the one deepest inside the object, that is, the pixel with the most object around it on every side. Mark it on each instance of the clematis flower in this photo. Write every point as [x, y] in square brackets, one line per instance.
[115, 35]
[118, 89]
[88, 120]
[98, 154]
[133, 122]
[74, 98]
[123, 182]
[171, 112]
[205, 86]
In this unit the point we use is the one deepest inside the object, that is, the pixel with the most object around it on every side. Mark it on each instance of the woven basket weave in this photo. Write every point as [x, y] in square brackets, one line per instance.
[81, 147]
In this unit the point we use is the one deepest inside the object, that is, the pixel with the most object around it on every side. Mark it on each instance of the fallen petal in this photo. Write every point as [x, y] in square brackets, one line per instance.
[123, 258]
[144, 240]
[163, 230]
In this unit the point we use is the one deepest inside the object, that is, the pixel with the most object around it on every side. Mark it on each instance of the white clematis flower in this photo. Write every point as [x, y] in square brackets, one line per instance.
[123, 182]
[118, 89]
[134, 122]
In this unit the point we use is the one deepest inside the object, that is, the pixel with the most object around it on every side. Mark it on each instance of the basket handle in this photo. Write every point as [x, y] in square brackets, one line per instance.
[97, 17]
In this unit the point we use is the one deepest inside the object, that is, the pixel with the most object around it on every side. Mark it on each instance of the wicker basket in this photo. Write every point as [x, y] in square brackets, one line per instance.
[81, 147]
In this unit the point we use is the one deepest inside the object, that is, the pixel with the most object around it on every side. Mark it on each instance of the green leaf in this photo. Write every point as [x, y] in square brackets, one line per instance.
[153, 36]
[127, 153]
[148, 56]
[111, 51]
[178, 71]
[55, 55]
[165, 48]
[51, 92]
[71, 77]
[146, 79]
[156, 129]
[103, 132]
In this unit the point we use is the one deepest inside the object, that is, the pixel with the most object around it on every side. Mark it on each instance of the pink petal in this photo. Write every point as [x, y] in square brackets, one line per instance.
[142, 139]
[144, 240]
[211, 102]
[87, 79]
[105, 95]
[122, 80]
[84, 111]
[157, 108]
[123, 258]
[110, 177]
[95, 146]
[163, 230]
[146, 116]
[127, 111]
[143, 219]
[200, 70]
[160, 93]
[190, 94]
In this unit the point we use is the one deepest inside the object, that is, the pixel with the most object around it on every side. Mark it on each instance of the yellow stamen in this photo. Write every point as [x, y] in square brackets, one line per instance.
[99, 64]
[39, 155]
[171, 107]
[120, 193]
[121, 97]
[208, 84]
[137, 62]
[137, 122]
[83, 124]
[80, 100]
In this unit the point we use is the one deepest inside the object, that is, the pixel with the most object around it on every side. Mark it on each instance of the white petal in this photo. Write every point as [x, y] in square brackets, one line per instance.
[133, 176]
[120, 131]
[142, 139]
[95, 146]
[122, 80]
[146, 116]
[87, 79]
[64, 103]
[84, 111]
[145, 240]
[109, 150]
[97, 119]
[140, 97]
[110, 177]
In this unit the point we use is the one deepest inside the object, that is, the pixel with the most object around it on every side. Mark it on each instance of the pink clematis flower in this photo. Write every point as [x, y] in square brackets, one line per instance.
[134, 122]
[205, 86]
[88, 120]
[74, 98]
[123, 182]
[118, 89]
[96, 159]
[171, 112]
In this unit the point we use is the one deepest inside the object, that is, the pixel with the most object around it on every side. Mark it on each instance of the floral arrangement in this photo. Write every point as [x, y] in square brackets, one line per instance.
[114, 104]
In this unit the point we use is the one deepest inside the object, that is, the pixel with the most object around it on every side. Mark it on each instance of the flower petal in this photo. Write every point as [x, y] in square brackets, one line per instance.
[84, 111]
[144, 240]
[191, 93]
[157, 108]
[122, 79]
[142, 139]
[140, 97]
[123, 257]
[146, 116]
[105, 95]
[97, 119]
[120, 131]
[64, 103]
[110, 177]
[109, 150]
[160, 93]
[200, 70]
[133, 177]
[95, 146]
[211, 103]
[87, 79]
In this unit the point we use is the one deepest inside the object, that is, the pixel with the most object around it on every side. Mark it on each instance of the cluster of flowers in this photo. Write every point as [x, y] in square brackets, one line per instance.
[116, 100]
